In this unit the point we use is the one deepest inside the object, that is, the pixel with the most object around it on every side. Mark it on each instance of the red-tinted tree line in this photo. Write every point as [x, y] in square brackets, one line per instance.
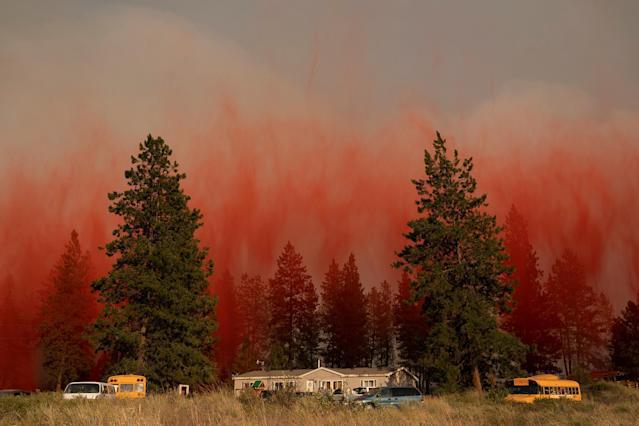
[282, 324]
[53, 348]
[562, 318]
[67, 310]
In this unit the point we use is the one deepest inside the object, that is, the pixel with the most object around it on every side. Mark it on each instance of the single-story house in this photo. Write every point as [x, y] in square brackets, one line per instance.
[323, 379]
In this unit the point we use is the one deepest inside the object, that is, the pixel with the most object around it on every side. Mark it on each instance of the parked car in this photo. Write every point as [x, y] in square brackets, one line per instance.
[88, 390]
[360, 391]
[338, 395]
[394, 396]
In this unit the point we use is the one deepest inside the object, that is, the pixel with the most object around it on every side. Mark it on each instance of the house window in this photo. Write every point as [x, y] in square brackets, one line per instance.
[290, 385]
[369, 384]
[337, 385]
[278, 385]
[325, 385]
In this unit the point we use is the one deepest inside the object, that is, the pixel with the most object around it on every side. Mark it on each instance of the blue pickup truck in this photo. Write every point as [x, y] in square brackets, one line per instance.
[394, 396]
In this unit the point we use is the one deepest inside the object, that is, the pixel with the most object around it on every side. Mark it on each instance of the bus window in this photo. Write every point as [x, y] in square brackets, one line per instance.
[129, 386]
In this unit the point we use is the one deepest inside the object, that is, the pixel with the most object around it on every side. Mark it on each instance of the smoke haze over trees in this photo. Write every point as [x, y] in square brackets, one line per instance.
[529, 320]
[580, 316]
[67, 310]
[282, 323]
[624, 343]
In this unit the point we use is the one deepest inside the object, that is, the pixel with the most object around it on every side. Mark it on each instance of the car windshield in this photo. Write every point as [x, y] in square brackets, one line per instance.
[83, 388]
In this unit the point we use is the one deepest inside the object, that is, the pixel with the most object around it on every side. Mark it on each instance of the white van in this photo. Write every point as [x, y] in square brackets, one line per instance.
[88, 390]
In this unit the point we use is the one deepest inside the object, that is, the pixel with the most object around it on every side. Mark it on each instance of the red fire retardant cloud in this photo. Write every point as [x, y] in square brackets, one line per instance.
[332, 188]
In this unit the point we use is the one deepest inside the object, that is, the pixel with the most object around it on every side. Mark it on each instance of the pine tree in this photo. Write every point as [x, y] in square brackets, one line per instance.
[353, 335]
[457, 257]
[624, 344]
[372, 305]
[380, 325]
[528, 320]
[67, 309]
[253, 319]
[330, 315]
[308, 334]
[158, 318]
[581, 317]
[293, 306]
[411, 329]
[228, 333]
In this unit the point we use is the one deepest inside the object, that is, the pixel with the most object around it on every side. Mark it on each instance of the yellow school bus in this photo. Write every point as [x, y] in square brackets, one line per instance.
[129, 386]
[544, 386]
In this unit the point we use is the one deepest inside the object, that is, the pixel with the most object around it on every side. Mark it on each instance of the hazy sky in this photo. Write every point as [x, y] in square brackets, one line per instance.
[287, 115]
[363, 56]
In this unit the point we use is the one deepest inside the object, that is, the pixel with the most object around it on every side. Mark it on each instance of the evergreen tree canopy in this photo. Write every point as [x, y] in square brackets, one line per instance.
[158, 318]
[67, 309]
[624, 345]
[380, 325]
[456, 259]
[293, 303]
[411, 329]
[353, 318]
[254, 318]
[580, 315]
[330, 315]
[529, 319]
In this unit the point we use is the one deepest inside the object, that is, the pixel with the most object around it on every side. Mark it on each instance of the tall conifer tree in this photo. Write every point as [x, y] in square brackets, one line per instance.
[581, 316]
[67, 309]
[411, 329]
[330, 315]
[293, 303]
[158, 317]
[253, 317]
[456, 257]
[380, 325]
[624, 344]
[529, 319]
[353, 335]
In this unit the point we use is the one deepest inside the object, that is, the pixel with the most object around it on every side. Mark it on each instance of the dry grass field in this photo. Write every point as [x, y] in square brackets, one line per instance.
[606, 404]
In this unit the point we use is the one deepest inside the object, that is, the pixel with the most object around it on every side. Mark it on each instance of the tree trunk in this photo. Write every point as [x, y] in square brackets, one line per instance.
[476, 379]
[58, 382]
[142, 345]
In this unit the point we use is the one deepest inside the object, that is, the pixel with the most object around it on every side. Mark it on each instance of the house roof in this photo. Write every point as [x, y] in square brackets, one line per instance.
[345, 372]
[273, 373]
[362, 371]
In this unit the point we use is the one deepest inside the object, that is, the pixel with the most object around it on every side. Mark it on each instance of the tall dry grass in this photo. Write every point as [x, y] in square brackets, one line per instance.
[605, 405]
